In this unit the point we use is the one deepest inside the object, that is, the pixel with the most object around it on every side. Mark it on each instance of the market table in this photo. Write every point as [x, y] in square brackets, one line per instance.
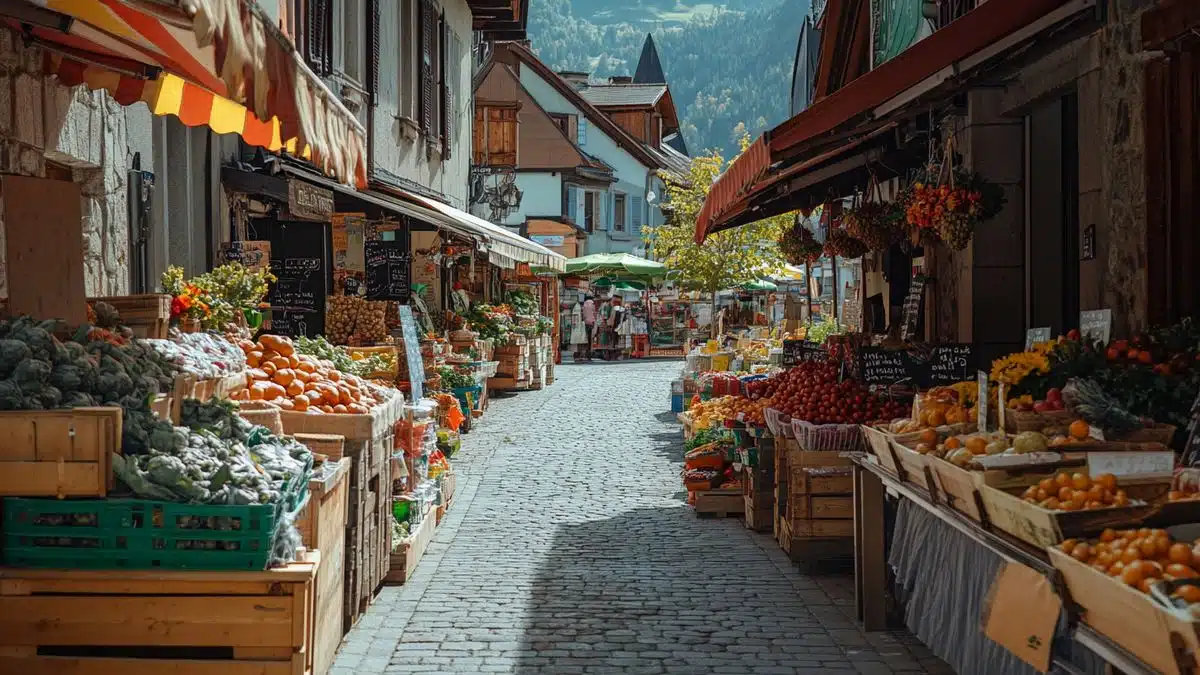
[871, 485]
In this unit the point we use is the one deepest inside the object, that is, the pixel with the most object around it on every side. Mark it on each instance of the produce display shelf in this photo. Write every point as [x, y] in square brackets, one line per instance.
[871, 563]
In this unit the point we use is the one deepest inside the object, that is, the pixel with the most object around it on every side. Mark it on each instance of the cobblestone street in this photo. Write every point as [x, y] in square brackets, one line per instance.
[569, 549]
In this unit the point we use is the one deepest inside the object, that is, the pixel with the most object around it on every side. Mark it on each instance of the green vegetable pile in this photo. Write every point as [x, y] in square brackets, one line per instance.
[216, 457]
[489, 323]
[523, 302]
[452, 379]
[324, 349]
[706, 436]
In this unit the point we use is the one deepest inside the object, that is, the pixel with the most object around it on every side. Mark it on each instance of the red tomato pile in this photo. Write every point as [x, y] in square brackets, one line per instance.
[811, 392]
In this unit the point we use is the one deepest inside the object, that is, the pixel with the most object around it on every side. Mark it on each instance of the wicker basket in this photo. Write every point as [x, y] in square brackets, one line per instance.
[1017, 421]
[1159, 433]
[263, 414]
[833, 437]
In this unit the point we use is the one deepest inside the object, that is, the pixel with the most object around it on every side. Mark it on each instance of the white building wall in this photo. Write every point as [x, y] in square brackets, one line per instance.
[397, 147]
[541, 196]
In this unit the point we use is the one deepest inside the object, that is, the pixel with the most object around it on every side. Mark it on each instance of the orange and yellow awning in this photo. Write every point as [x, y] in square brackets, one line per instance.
[217, 63]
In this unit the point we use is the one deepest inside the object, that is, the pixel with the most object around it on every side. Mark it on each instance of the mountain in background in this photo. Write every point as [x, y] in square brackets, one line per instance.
[728, 62]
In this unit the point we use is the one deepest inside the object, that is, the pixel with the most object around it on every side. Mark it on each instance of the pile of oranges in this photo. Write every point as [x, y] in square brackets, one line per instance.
[1076, 492]
[1139, 558]
[716, 410]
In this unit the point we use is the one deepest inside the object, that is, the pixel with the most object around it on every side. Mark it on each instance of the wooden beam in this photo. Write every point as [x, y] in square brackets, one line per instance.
[1170, 20]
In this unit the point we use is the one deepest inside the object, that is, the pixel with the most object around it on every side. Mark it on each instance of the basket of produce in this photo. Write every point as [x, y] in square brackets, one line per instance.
[700, 479]
[707, 456]
[468, 397]
[841, 437]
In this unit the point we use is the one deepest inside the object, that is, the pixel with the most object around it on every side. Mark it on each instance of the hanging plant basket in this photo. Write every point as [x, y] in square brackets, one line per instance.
[842, 244]
[877, 224]
[950, 205]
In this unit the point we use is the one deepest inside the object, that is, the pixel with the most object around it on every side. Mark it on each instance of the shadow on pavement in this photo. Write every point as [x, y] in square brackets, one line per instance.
[653, 588]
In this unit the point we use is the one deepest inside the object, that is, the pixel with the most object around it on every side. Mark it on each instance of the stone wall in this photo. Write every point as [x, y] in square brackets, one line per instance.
[85, 133]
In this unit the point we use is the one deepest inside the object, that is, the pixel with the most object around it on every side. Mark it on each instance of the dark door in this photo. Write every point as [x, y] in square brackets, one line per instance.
[1052, 184]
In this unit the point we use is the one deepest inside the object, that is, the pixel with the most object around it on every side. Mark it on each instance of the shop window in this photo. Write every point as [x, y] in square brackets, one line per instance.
[318, 36]
[350, 28]
[495, 136]
[619, 215]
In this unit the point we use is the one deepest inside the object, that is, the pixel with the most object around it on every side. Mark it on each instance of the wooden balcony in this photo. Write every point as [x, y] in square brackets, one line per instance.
[500, 19]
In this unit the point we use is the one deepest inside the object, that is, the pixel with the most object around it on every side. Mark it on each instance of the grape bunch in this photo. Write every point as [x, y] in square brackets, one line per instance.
[841, 243]
[799, 245]
[955, 229]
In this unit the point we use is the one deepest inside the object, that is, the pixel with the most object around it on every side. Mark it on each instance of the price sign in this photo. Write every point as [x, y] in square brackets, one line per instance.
[883, 366]
[412, 352]
[1132, 464]
[1034, 336]
[948, 364]
[981, 404]
[1096, 325]
[796, 352]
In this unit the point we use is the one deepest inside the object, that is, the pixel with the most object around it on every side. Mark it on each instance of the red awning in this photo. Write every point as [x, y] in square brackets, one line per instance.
[991, 21]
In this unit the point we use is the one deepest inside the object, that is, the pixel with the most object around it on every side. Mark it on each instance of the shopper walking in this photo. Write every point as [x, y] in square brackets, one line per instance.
[579, 334]
[589, 323]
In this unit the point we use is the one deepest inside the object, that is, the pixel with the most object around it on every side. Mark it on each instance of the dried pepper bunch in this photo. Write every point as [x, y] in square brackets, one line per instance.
[799, 246]
[878, 224]
[842, 244]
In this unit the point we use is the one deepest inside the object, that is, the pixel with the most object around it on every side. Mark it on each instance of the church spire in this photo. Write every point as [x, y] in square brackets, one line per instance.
[649, 67]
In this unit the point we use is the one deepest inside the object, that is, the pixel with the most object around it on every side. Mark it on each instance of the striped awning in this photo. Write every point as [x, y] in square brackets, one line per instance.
[219, 63]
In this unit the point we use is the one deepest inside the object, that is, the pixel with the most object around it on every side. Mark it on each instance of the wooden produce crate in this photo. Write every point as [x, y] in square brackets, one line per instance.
[758, 520]
[880, 444]
[404, 560]
[322, 525]
[719, 503]
[827, 507]
[148, 316]
[387, 350]
[331, 446]
[58, 453]
[1131, 618]
[155, 622]
[1007, 512]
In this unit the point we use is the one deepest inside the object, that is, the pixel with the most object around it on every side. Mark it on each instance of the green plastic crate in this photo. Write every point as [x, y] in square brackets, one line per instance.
[140, 534]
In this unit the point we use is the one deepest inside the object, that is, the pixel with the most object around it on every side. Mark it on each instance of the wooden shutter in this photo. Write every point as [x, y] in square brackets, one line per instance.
[501, 137]
[572, 205]
[479, 137]
[425, 56]
[446, 101]
[373, 30]
[637, 221]
[320, 36]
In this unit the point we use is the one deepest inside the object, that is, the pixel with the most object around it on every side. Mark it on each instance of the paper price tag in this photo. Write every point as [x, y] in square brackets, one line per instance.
[1132, 464]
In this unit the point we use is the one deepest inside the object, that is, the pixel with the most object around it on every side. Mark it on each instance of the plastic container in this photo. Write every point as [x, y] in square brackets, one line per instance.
[461, 394]
[141, 534]
[677, 403]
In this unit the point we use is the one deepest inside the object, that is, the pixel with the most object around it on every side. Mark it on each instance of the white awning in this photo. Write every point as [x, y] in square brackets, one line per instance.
[499, 240]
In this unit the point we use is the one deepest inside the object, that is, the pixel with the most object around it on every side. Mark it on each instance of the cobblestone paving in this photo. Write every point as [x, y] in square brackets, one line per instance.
[569, 549]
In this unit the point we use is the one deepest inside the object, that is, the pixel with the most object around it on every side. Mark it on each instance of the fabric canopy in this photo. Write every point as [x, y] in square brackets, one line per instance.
[606, 282]
[220, 63]
[497, 239]
[616, 264]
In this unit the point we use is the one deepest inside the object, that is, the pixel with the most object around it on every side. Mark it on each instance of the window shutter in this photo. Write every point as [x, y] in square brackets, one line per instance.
[320, 36]
[602, 211]
[444, 89]
[629, 217]
[425, 92]
[581, 132]
[572, 206]
[373, 18]
[479, 138]
[637, 220]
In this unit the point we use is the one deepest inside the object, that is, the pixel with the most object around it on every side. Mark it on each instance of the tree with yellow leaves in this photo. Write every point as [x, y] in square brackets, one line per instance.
[726, 259]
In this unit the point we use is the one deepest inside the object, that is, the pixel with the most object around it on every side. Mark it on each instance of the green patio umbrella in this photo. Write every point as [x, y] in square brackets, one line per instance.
[758, 285]
[619, 284]
[617, 265]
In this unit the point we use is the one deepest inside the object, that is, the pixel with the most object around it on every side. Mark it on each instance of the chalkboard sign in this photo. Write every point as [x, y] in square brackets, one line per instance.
[297, 298]
[1035, 336]
[878, 365]
[388, 264]
[412, 352]
[949, 364]
[1096, 324]
[912, 308]
[937, 365]
[796, 352]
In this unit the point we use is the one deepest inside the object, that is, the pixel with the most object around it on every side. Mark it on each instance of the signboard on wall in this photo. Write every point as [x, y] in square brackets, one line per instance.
[547, 240]
[309, 202]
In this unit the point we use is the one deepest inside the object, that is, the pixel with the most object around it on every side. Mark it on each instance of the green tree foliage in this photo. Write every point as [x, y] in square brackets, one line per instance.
[727, 259]
[726, 61]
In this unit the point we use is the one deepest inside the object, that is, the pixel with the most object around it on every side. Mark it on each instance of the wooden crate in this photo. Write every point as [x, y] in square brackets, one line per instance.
[719, 503]
[1129, 617]
[829, 507]
[148, 316]
[58, 453]
[404, 560]
[332, 446]
[136, 622]
[1041, 527]
[820, 529]
[880, 444]
[322, 524]
[818, 480]
[758, 519]
[368, 525]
